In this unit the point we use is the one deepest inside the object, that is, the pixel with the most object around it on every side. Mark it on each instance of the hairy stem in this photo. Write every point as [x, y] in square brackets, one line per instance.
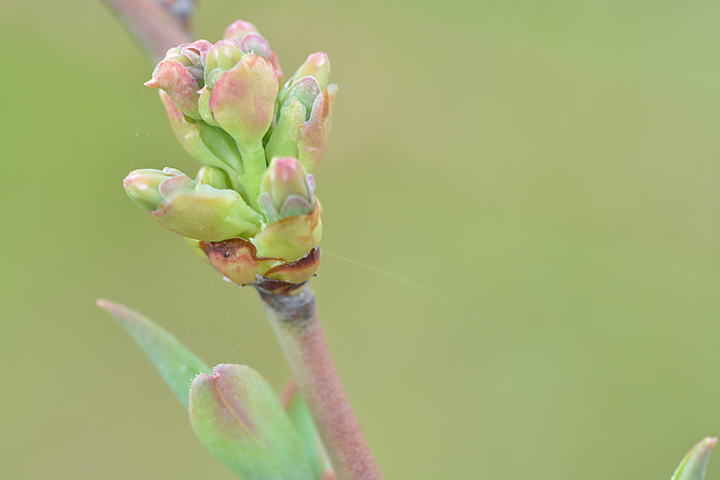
[298, 329]
[157, 25]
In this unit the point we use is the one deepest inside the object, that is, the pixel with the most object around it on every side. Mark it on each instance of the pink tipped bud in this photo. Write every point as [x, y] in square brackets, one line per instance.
[239, 29]
[287, 190]
[242, 100]
[317, 66]
[255, 43]
[143, 187]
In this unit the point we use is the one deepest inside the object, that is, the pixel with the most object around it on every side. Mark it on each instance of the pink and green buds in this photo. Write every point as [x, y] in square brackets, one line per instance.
[238, 418]
[286, 190]
[225, 107]
[192, 209]
[241, 83]
[693, 465]
[305, 115]
[252, 42]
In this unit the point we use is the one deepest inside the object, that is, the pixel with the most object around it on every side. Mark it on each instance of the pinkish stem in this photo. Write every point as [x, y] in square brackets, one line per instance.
[298, 329]
[157, 25]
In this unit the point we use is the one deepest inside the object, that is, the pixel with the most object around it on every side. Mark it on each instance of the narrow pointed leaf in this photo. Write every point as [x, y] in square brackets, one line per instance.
[693, 465]
[177, 365]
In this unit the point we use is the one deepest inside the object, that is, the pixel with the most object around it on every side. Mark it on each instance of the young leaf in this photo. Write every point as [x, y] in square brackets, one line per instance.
[239, 419]
[693, 465]
[177, 365]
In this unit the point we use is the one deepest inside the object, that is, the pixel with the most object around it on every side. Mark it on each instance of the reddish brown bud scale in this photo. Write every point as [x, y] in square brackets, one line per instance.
[237, 260]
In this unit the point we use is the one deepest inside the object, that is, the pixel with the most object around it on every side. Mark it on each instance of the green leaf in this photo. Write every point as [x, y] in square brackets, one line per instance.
[693, 465]
[177, 365]
[239, 419]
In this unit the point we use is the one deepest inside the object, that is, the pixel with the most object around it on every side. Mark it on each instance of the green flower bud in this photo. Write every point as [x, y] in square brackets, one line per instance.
[223, 56]
[306, 90]
[215, 177]
[239, 419]
[286, 190]
[286, 133]
[191, 209]
[143, 187]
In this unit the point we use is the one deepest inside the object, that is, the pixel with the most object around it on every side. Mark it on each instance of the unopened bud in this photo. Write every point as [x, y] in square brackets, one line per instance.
[286, 133]
[223, 56]
[294, 214]
[215, 177]
[191, 209]
[242, 100]
[181, 74]
[317, 66]
[306, 90]
[239, 29]
[305, 137]
[253, 42]
[143, 187]
[286, 190]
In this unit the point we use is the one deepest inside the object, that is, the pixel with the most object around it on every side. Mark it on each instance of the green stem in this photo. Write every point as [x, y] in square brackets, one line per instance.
[155, 28]
[298, 329]
[254, 166]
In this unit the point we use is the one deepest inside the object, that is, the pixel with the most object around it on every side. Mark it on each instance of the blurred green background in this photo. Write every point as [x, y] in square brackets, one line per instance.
[546, 171]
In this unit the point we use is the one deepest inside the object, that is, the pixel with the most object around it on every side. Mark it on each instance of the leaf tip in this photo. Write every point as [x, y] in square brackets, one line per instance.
[693, 465]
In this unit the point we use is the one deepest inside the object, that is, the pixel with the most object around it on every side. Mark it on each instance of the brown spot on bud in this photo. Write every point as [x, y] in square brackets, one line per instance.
[237, 259]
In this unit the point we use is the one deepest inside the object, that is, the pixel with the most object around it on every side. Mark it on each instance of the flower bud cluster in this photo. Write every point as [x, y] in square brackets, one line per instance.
[252, 208]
